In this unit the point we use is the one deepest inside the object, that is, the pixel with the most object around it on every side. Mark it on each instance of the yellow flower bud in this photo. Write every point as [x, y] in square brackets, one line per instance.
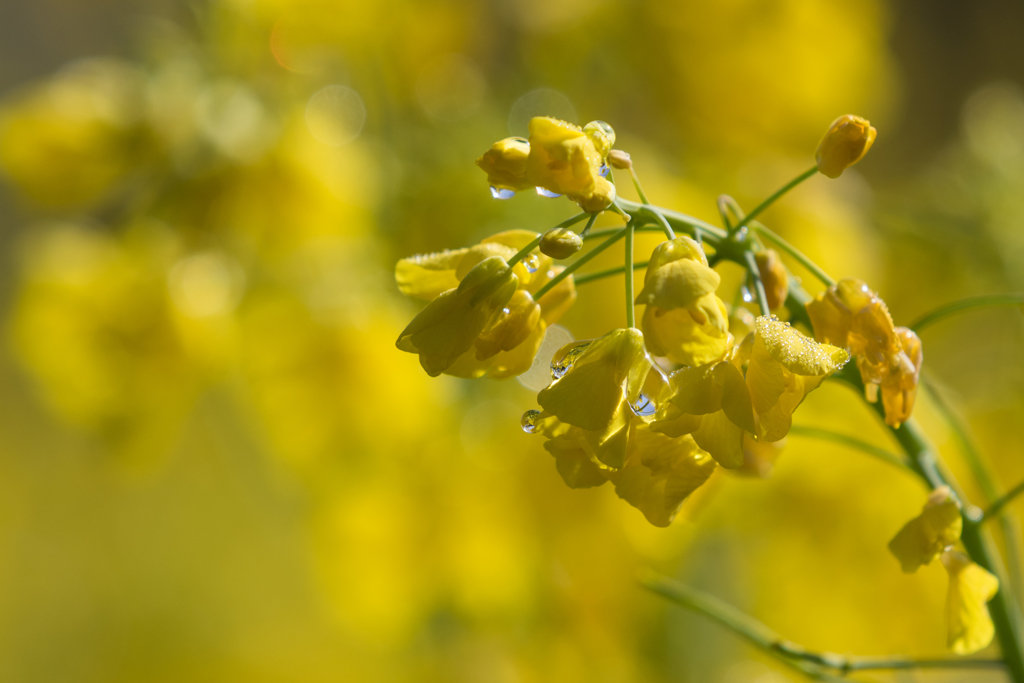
[602, 135]
[773, 277]
[505, 164]
[512, 327]
[560, 243]
[969, 624]
[924, 537]
[847, 140]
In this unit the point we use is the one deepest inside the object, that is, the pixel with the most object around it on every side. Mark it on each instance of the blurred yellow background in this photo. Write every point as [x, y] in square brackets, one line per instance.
[215, 465]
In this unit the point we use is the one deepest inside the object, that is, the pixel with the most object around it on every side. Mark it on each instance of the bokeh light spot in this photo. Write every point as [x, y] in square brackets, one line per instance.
[539, 102]
[206, 284]
[335, 115]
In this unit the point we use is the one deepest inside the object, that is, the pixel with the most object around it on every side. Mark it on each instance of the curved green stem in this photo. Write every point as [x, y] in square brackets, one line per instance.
[522, 253]
[636, 184]
[815, 665]
[852, 442]
[755, 274]
[795, 253]
[572, 267]
[680, 222]
[601, 274]
[998, 506]
[964, 305]
[772, 199]
[589, 226]
[630, 309]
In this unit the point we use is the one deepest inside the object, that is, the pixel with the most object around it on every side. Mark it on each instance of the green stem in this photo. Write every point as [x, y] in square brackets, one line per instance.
[590, 224]
[617, 270]
[680, 222]
[636, 184]
[771, 200]
[522, 253]
[964, 305]
[630, 310]
[815, 665]
[755, 274]
[863, 446]
[578, 263]
[997, 506]
[668, 228]
[795, 253]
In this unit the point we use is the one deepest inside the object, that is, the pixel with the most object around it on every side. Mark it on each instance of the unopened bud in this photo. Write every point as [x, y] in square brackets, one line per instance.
[560, 243]
[619, 159]
[845, 143]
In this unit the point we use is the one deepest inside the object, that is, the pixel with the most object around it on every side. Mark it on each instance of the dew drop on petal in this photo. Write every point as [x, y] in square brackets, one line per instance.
[747, 296]
[604, 170]
[539, 374]
[547, 193]
[529, 421]
[502, 194]
[531, 263]
[561, 364]
[644, 406]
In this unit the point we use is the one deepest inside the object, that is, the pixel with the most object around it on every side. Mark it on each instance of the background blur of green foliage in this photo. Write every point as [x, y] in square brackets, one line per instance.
[215, 466]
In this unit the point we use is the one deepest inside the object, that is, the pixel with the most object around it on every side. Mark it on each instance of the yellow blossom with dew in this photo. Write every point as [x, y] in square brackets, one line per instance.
[845, 143]
[849, 314]
[563, 159]
[937, 527]
[784, 367]
[505, 164]
[968, 621]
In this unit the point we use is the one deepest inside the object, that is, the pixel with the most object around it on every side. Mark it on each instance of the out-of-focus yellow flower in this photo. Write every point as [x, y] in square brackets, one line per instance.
[773, 277]
[560, 243]
[845, 143]
[505, 164]
[937, 527]
[67, 142]
[784, 367]
[741, 323]
[600, 382]
[683, 320]
[849, 314]
[970, 588]
[451, 323]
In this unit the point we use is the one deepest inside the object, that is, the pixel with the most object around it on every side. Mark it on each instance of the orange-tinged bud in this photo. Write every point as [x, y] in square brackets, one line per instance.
[845, 143]
[620, 160]
[773, 277]
[560, 243]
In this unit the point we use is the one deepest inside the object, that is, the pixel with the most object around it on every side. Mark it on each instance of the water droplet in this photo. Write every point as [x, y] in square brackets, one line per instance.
[547, 193]
[529, 421]
[561, 363]
[747, 296]
[502, 194]
[644, 406]
[531, 263]
[604, 170]
[505, 310]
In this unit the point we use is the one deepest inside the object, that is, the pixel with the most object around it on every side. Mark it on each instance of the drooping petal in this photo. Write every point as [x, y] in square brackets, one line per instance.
[721, 438]
[425, 276]
[970, 588]
[922, 539]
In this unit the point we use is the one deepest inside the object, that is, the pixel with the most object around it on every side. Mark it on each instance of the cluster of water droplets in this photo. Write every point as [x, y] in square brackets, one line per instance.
[529, 421]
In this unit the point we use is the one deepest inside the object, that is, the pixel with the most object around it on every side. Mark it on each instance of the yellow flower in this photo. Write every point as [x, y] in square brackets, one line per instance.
[849, 314]
[969, 625]
[598, 199]
[845, 143]
[505, 164]
[451, 323]
[784, 367]
[773, 277]
[563, 159]
[759, 456]
[711, 403]
[602, 135]
[937, 527]
[560, 243]
[653, 472]
[683, 320]
[599, 382]
[426, 276]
